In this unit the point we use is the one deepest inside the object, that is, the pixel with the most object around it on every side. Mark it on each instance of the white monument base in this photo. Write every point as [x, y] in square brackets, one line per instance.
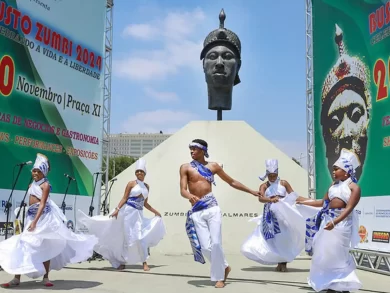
[241, 151]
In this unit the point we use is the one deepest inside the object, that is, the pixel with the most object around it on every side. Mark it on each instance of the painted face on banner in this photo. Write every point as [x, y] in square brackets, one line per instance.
[345, 126]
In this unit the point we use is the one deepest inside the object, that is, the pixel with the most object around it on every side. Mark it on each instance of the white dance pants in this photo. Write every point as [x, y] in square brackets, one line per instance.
[208, 224]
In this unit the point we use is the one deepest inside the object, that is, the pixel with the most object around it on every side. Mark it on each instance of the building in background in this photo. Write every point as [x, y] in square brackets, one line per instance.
[135, 145]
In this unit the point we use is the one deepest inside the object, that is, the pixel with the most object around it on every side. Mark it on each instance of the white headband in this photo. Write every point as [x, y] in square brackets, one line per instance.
[42, 164]
[271, 166]
[199, 146]
[349, 162]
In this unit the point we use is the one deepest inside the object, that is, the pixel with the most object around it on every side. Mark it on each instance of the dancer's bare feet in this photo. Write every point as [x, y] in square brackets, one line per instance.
[284, 268]
[278, 268]
[221, 284]
[146, 267]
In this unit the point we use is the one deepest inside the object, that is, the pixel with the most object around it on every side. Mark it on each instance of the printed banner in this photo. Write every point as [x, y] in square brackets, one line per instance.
[51, 96]
[351, 63]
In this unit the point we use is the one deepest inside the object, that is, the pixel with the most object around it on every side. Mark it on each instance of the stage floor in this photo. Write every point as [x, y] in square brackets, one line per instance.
[181, 274]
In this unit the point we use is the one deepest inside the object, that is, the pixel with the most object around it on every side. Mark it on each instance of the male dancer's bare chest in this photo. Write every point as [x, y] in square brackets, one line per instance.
[197, 184]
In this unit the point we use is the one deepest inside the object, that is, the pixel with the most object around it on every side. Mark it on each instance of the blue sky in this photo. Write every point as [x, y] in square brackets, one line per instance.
[158, 81]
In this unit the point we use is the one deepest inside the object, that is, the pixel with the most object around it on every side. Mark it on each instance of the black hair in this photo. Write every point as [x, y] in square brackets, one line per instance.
[200, 141]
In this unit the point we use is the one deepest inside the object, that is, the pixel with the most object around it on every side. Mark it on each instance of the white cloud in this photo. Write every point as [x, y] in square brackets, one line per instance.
[140, 31]
[177, 33]
[143, 69]
[161, 96]
[180, 25]
[166, 120]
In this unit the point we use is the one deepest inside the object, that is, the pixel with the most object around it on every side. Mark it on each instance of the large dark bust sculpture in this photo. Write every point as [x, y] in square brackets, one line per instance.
[221, 56]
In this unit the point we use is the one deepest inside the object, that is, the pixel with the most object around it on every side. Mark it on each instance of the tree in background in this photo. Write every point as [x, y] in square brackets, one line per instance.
[117, 165]
[296, 161]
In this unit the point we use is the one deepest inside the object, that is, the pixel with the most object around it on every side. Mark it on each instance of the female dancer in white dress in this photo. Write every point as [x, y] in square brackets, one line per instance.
[125, 235]
[279, 236]
[333, 231]
[46, 243]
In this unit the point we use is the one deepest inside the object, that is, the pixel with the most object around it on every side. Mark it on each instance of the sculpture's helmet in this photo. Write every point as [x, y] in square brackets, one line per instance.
[348, 73]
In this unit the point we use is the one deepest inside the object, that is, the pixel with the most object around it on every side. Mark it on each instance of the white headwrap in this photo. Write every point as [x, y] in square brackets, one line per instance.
[349, 162]
[42, 164]
[271, 166]
[200, 146]
[140, 165]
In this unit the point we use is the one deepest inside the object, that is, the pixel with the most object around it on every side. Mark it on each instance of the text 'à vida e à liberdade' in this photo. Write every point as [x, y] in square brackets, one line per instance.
[39, 37]
[50, 38]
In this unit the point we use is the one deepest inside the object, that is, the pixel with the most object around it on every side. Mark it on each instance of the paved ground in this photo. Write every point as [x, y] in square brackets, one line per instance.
[182, 274]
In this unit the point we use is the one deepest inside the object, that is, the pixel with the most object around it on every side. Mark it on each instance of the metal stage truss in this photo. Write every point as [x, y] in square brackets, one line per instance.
[310, 101]
[107, 96]
[372, 261]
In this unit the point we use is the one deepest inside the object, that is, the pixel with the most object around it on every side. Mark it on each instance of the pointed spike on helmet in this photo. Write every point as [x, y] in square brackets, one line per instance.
[348, 71]
[339, 40]
[222, 17]
[338, 30]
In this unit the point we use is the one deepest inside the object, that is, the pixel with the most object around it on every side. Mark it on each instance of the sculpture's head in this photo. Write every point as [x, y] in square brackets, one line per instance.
[221, 56]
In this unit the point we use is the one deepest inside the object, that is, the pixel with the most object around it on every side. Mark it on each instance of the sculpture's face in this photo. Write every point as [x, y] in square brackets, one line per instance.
[220, 66]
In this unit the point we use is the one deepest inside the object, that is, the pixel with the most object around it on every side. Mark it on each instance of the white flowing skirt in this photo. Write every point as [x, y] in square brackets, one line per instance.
[286, 245]
[332, 265]
[24, 254]
[124, 240]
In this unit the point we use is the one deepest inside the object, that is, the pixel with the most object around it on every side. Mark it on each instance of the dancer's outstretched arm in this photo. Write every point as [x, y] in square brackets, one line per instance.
[232, 182]
[290, 190]
[314, 203]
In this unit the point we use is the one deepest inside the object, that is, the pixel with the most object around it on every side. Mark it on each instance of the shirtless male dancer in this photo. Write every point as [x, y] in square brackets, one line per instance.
[205, 218]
